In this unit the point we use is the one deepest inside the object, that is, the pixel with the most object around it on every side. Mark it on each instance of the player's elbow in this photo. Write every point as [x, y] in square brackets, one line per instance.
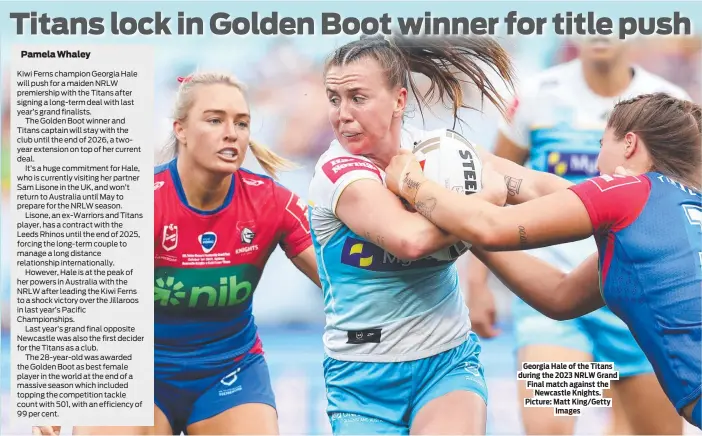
[555, 309]
[410, 242]
[488, 240]
[562, 314]
[563, 307]
[483, 231]
[412, 248]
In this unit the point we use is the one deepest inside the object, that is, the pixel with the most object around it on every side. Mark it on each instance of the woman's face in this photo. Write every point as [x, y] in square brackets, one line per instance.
[362, 105]
[215, 132]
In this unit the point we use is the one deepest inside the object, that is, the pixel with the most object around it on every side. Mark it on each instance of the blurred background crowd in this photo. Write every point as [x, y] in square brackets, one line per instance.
[286, 93]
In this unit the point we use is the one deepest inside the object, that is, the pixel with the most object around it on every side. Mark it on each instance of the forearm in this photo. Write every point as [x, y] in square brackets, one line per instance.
[527, 277]
[376, 214]
[539, 184]
[539, 284]
[306, 263]
[524, 184]
[421, 238]
[554, 219]
[469, 218]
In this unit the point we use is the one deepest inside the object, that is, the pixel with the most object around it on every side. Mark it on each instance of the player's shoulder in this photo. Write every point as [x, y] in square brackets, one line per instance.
[651, 83]
[162, 171]
[260, 185]
[336, 162]
[162, 178]
[674, 187]
[336, 151]
[413, 135]
[620, 189]
[614, 201]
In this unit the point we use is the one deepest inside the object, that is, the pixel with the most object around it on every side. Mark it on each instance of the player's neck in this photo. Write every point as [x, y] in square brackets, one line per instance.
[387, 152]
[202, 189]
[608, 80]
[381, 160]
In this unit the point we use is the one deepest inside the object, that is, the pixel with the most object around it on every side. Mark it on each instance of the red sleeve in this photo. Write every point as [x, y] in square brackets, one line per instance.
[613, 202]
[294, 226]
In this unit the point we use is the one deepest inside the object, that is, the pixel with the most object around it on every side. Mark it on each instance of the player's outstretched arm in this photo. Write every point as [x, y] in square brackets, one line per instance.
[294, 231]
[557, 295]
[554, 219]
[306, 262]
[373, 212]
[522, 183]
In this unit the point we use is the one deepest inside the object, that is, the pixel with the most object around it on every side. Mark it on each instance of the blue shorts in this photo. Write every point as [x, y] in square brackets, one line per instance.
[192, 396]
[600, 333]
[384, 398]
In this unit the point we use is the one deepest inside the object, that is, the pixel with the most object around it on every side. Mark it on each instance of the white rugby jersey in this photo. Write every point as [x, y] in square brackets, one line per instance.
[378, 308]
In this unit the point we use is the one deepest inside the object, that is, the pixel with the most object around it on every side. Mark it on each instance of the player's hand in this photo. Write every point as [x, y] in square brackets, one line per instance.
[46, 430]
[403, 174]
[494, 187]
[482, 311]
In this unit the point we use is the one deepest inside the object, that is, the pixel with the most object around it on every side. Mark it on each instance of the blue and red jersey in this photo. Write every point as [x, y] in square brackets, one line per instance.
[648, 230]
[207, 265]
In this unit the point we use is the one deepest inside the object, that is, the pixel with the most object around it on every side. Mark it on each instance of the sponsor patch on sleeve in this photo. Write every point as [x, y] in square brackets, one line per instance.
[336, 168]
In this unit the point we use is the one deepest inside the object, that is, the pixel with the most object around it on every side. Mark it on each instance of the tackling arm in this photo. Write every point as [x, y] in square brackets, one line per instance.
[373, 212]
[557, 295]
[522, 183]
[554, 219]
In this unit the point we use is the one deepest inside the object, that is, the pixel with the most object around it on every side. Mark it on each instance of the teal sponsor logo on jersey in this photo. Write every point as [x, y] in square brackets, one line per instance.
[202, 288]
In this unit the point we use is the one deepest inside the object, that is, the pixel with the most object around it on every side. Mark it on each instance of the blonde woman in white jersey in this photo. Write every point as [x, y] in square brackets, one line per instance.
[554, 125]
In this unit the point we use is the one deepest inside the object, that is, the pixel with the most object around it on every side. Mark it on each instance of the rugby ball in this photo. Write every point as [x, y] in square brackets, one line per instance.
[448, 159]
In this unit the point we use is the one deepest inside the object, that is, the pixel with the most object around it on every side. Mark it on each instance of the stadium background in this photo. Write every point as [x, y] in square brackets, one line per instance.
[284, 81]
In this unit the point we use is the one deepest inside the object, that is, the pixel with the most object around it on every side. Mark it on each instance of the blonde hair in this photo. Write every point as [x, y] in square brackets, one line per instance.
[269, 161]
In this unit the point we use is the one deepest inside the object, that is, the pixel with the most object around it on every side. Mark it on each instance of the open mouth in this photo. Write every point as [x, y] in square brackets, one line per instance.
[228, 154]
[350, 135]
